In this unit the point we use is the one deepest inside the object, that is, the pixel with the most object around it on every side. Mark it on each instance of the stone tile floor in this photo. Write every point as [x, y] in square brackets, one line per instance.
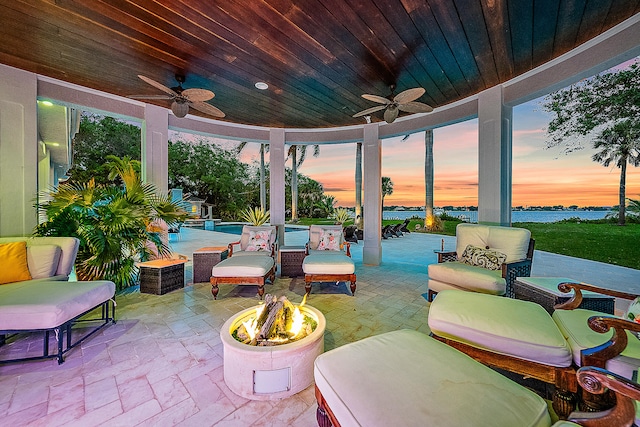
[161, 363]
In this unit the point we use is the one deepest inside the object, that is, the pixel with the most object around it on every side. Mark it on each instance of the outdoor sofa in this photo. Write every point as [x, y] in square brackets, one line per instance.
[36, 296]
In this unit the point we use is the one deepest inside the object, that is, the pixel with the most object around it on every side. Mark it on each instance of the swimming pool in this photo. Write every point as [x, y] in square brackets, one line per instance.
[237, 228]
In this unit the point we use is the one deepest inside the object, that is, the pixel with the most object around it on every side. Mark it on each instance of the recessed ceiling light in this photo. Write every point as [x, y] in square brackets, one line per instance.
[262, 85]
[46, 103]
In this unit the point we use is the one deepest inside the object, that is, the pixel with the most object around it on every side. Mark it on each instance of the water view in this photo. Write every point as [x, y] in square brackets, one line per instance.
[516, 216]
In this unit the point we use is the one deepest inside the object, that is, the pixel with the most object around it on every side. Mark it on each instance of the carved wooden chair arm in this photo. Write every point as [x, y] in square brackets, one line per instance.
[596, 381]
[230, 246]
[598, 356]
[348, 245]
[575, 301]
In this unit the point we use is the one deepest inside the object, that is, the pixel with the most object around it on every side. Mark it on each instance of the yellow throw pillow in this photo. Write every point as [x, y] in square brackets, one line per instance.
[13, 258]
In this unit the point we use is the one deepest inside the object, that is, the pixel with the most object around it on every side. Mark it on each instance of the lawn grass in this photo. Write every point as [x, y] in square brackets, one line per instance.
[593, 240]
[604, 242]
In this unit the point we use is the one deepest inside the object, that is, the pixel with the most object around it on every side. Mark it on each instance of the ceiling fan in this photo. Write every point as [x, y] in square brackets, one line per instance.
[182, 98]
[404, 101]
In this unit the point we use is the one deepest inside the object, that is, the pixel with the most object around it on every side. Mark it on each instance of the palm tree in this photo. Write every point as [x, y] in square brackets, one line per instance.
[114, 222]
[295, 164]
[619, 145]
[264, 148]
[387, 189]
[358, 208]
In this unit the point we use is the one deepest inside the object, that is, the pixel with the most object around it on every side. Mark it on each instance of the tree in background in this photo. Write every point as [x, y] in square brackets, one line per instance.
[298, 154]
[214, 174]
[603, 111]
[98, 137]
[387, 188]
[432, 222]
[358, 208]
[310, 193]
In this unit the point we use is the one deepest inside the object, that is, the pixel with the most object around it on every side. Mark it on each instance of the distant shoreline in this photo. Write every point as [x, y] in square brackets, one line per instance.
[516, 215]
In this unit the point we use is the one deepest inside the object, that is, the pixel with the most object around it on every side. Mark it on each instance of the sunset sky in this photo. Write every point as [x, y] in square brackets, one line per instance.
[541, 177]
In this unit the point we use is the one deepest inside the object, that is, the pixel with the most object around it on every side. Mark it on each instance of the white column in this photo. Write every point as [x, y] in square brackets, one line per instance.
[155, 147]
[494, 158]
[18, 151]
[276, 182]
[372, 182]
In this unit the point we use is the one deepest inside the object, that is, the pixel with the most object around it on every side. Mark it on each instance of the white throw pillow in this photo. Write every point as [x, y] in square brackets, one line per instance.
[485, 258]
[258, 241]
[329, 241]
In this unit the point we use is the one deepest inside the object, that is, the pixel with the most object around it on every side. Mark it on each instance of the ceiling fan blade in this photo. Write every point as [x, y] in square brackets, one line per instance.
[391, 114]
[376, 98]
[415, 107]
[150, 97]
[207, 109]
[157, 85]
[369, 111]
[409, 95]
[197, 95]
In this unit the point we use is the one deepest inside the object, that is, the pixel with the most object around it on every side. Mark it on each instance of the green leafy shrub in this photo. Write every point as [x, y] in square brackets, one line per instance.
[115, 223]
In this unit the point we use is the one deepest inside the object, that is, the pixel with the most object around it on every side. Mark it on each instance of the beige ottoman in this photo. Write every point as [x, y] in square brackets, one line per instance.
[243, 270]
[406, 378]
[328, 266]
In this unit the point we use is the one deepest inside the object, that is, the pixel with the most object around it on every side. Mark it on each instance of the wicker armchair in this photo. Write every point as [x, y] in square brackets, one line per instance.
[515, 243]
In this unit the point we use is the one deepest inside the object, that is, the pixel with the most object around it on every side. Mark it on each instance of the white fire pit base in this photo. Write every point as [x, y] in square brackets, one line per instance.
[274, 372]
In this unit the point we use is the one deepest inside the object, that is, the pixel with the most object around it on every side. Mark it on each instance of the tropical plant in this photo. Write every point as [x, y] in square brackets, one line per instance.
[358, 208]
[634, 207]
[431, 221]
[215, 174]
[255, 216]
[604, 111]
[387, 188]
[341, 215]
[114, 222]
[296, 162]
[97, 137]
[325, 206]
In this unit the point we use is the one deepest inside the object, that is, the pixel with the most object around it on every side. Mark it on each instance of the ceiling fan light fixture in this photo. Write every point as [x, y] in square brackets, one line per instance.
[261, 86]
[180, 109]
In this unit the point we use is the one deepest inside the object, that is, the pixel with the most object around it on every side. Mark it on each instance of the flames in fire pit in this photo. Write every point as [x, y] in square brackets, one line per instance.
[277, 321]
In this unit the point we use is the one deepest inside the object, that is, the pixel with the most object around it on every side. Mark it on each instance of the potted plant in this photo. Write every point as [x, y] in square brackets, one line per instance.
[255, 216]
[114, 222]
[341, 215]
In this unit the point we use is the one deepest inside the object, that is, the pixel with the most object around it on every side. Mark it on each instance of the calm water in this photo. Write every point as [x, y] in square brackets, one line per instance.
[516, 216]
[237, 229]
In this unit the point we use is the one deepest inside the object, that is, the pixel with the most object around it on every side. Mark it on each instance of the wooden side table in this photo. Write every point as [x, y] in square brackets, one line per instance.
[291, 258]
[204, 259]
[161, 276]
[544, 291]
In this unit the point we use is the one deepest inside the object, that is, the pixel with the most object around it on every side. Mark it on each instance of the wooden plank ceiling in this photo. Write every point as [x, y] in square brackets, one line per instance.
[318, 56]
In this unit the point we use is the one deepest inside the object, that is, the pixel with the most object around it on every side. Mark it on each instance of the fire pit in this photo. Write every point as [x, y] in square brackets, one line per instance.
[277, 366]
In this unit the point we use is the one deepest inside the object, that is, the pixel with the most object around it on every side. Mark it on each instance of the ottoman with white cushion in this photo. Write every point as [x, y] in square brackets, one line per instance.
[53, 306]
[328, 266]
[243, 270]
[406, 378]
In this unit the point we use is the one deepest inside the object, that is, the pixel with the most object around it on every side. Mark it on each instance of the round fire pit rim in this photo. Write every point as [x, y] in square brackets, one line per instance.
[234, 321]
